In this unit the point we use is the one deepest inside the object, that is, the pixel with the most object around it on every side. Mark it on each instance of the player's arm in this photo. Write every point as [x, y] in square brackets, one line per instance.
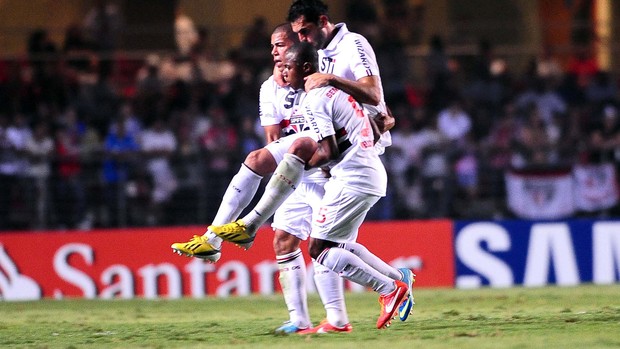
[366, 89]
[272, 133]
[327, 150]
[268, 112]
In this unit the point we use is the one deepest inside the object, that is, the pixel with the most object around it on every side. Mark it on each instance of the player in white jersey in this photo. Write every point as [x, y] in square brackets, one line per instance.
[258, 163]
[292, 220]
[280, 115]
[358, 181]
[346, 61]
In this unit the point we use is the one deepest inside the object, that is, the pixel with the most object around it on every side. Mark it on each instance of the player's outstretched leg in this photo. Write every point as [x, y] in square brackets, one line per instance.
[238, 195]
[403, 274]
[283, 182]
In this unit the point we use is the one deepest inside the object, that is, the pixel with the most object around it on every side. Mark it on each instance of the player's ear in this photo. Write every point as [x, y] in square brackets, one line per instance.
[323, 20]
[307, 67]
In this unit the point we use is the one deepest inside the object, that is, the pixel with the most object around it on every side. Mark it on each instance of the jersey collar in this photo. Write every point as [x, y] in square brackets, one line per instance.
[341, 30]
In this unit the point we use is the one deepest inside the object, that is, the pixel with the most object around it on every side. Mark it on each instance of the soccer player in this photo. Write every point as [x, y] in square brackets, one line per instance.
[344, 135]
[279, 115]
[346, 60]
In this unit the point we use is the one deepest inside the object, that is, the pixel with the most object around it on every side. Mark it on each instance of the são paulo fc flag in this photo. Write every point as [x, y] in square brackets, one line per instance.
[595, 187]
[540, 194]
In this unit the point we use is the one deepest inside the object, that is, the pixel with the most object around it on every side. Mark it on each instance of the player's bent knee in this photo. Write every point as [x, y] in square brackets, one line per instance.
[260, 161]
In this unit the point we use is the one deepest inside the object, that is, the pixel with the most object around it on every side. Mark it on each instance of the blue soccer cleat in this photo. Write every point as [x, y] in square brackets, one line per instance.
[288, 328]
[406, 306]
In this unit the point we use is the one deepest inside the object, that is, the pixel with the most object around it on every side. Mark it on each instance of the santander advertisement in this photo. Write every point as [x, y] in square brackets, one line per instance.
[138, 263]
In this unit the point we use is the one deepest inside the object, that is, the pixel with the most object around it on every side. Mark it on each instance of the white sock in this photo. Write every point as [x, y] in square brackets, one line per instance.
[353, 268]
[330, 287]
[372, 260]
[293, 282]
[241, 189]
[281, 185]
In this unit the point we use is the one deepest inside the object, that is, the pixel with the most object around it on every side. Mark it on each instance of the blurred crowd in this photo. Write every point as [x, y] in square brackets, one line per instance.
[90, 137]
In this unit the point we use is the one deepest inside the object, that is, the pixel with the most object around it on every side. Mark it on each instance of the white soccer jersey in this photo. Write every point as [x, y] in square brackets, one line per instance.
[330, 111]
[350, 56]
[281, 106]
[274, 102]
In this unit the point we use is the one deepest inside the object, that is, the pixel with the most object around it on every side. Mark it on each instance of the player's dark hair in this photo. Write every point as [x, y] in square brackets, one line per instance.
[310, 9]
[287, 30]
[304, 52]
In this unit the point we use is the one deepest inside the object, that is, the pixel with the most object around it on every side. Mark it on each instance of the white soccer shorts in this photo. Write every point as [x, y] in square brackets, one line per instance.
[295, 214]
[341, 213]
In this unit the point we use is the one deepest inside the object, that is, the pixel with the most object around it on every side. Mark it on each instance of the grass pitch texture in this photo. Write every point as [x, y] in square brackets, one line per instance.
[552, 317]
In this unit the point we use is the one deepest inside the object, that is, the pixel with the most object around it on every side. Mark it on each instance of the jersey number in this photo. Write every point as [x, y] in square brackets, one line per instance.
[366, 131]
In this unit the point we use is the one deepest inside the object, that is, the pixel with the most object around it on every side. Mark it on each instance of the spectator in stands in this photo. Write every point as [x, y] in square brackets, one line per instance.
[185, 33]
[466, 170]
[548, 66]
[249, 139]
[129, 119]
[533, 145]
[601, 91]
[120, 151]
[498, 150]
[40, 150]
[583, 65]
[41, 49]
[253, 49]
[149, 99]
[405, 159]
[14, 166]
[605, 137]
[203, 46]
[8, 175]
[437, 185]
[437, 73]
[69, 191]
[544, 98]
[454, 123]
[158, 144]
[103, 25]
[76, 48]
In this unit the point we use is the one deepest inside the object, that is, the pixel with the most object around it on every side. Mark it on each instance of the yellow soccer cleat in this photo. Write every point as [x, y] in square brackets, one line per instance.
[236, 232]
[197, 247]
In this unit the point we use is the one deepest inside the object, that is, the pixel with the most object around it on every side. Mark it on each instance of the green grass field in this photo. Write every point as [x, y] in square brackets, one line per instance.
[551, 317]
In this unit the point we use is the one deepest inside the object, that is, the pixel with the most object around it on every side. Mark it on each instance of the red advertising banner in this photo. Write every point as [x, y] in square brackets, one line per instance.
[128, 263]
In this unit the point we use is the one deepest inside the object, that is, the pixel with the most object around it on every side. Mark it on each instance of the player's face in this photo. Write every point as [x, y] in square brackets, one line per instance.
[279, 44]
[308, 31]
[292, 72]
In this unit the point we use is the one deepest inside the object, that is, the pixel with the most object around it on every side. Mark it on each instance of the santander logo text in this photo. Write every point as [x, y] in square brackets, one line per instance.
[138, 263]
